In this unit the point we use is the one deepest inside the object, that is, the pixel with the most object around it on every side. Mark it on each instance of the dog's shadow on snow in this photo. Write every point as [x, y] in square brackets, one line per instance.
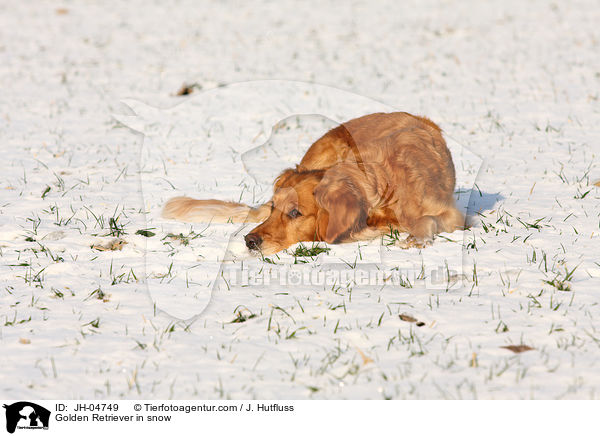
[474, 202]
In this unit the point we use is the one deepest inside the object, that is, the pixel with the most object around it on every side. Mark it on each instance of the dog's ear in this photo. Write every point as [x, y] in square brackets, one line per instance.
[342, 209]
[282, 178]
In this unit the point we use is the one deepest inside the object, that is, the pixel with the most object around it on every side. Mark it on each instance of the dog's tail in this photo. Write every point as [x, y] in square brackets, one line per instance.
[216, 211]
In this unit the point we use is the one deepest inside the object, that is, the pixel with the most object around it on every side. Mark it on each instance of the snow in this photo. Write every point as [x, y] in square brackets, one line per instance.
[88, 109]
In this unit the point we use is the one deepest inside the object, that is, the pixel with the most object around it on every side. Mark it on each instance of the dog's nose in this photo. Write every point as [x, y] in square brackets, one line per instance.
[253, 241]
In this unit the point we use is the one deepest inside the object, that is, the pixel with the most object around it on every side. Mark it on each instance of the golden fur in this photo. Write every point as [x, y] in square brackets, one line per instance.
[369, 175]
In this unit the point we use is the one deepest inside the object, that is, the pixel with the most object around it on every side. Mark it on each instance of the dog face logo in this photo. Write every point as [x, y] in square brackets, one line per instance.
[26, 415]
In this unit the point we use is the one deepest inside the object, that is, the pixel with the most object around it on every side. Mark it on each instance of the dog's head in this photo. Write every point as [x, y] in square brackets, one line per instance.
[309, 206]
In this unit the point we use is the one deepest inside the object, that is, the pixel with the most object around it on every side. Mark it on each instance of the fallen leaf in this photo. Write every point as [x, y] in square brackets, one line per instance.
[597, 184]
[407, 318]
[185, 90]
[518, 348]
[112, 245]
[24, 341]
[62, 11]
[188, 89]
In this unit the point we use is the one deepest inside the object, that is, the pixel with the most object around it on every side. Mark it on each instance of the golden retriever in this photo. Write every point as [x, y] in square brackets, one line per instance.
[369, 176]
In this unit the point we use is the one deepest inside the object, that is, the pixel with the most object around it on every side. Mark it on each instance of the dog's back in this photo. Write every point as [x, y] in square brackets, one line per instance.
[356, 135]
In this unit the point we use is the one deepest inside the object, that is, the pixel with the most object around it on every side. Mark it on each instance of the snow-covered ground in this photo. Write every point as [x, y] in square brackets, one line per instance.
[94, 140]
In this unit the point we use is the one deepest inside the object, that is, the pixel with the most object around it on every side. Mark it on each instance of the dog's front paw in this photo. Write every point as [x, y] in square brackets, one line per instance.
[412, 241]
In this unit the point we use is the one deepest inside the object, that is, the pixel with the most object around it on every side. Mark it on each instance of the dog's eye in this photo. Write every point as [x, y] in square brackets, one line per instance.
[294, 213]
